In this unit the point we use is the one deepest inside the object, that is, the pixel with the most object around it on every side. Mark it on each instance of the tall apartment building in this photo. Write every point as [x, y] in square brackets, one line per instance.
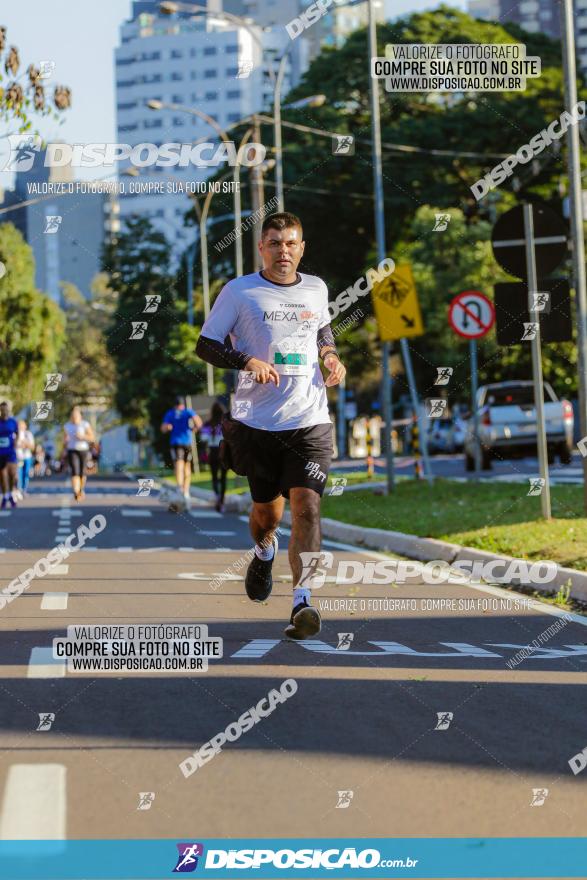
[195, 61]
[66, 231]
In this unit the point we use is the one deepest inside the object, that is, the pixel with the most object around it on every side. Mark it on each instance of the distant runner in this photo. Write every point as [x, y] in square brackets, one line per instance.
[8, 461]
[280, 433]
[212, 433]
[25, 446]
[77, 436]
[180, 423]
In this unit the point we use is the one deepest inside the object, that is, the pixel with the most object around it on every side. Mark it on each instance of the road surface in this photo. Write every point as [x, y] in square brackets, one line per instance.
[363, 720]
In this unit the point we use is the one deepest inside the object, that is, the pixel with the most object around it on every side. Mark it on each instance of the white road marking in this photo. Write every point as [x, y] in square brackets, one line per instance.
[54, 602]
[205, 514]
[5, 512]
[131, 512]
[220, 550]
[187, 549]
[123, 549]
[66, 513]
[88, 549]
[42, 664]
[59, 569]
[210, 534]
[200, 576]
[33, 806]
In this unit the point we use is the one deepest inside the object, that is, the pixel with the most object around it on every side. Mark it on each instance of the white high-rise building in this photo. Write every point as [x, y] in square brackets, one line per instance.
[202, 62]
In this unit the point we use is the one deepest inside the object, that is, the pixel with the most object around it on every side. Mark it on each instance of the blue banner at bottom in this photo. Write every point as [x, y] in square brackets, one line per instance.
[275, 858]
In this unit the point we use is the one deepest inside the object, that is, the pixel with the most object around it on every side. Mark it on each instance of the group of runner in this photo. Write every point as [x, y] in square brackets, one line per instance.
[21, 455]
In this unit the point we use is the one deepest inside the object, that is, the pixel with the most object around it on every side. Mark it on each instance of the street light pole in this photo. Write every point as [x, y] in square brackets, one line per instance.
[380, 236]
[576, 212]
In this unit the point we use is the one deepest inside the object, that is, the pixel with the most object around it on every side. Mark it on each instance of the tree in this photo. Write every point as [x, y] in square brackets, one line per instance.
[31, 325]
[87, 367]
[21, 96]
[151, 345]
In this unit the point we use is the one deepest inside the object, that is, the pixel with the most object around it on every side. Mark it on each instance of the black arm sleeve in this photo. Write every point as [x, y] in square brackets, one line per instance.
[221, 354]
[326, 339]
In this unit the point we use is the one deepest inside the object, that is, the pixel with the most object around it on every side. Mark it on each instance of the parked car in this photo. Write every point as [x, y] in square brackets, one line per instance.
[507, 424]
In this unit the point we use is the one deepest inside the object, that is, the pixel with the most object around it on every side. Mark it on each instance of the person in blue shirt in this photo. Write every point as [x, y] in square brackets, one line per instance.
[180, 423]
[8, 460]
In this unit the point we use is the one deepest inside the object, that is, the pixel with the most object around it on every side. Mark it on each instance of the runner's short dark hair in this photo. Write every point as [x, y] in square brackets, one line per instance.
[282, 220]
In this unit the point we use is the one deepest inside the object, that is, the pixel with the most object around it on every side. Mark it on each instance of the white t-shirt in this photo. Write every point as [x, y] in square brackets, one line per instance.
[75, 433]
[21, 452]
[277, 323]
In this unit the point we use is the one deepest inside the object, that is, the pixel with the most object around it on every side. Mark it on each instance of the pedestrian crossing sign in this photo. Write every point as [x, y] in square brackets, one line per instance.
[396, 306]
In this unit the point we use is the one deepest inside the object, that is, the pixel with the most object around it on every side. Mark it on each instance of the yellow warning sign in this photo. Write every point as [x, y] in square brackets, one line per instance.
[396, 305]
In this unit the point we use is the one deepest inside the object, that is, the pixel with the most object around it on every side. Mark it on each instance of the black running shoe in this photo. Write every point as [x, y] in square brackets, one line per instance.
[304, 622]
[258, 581]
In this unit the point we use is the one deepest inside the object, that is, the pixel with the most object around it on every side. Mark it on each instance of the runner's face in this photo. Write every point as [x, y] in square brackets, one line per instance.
[281, 251]
[3, 412]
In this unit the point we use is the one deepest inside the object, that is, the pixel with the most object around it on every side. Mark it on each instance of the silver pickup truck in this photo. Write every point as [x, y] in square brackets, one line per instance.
[507, 424]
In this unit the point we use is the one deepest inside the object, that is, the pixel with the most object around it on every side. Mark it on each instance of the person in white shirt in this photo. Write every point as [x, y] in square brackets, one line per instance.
[25, 445]
[77, 436]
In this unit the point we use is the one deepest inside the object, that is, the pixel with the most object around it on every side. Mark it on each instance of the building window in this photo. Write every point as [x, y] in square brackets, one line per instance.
[233, 117]
[231, 50]
[193, 75]
[176, 77]
[153, 123]
[211, 96]
[178, 120]
[210, 50]
[193, 53]
[176, 53]
[127, 127]
[177, 99]
[232, 95]
[151, 56]
[231, 71]
[130, 106]
[125, 83]
[210, 74]
[121, 62]
[150, 78]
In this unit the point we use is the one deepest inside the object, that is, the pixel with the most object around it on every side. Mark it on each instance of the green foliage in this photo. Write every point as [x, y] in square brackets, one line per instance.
[87, 367]
[152, 370]
[31, 325]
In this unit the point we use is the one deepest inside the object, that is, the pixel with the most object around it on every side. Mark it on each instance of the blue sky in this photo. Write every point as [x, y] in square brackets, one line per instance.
[80, 37]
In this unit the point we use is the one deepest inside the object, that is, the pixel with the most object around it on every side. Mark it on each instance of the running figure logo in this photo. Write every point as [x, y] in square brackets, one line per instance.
[338, 484]
[582, 446]
[46, 69]
[343, 145]
[539, 795]
[21, 151]
[145, 486]
[146, 798]
[187, 860]
[541, 302]
[444, 374]
[52, 223]
[536, 485]
[310, 571]
[444, 719]
[152, 301]
[344, 799]
[437, 407]
[46, 719]
[42, 410]
[53, 380]
[138, 329]
[530, 330]
[441, 222]
[244, 69]
[345, 640]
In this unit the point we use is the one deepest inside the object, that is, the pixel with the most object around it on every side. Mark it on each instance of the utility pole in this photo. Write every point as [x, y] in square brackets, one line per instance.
[257, 198]
[380, 237]
[576, 212]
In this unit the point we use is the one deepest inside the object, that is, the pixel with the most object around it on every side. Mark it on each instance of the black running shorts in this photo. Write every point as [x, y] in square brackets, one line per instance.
[276, 461]
[182, 453]
[77, 461]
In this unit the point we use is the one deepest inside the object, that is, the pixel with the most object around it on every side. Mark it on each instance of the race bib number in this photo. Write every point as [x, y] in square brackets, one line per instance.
[289, 359]
[4, 442]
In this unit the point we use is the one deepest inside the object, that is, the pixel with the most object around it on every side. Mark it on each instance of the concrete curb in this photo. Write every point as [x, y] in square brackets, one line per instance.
[414, 547]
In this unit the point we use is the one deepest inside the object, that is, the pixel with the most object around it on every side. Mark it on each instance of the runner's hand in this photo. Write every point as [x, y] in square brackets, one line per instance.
[263, 371]
[337, 370]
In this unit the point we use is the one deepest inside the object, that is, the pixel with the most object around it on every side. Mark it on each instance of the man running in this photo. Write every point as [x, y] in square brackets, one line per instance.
[8, 460]
[181, 422]
[280, 434]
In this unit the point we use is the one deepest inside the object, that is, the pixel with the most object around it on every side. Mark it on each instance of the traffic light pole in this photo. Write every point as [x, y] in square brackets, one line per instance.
[380, 236]
[576, 211]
